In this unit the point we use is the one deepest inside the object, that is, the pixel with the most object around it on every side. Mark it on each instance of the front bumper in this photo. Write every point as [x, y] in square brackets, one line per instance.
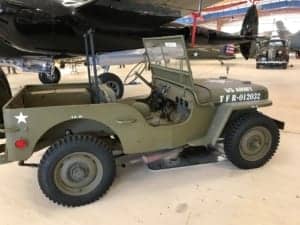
[271, 62]
[262, 60]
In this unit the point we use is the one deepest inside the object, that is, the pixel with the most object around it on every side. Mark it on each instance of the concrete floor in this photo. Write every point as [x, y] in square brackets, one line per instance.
[207, 194]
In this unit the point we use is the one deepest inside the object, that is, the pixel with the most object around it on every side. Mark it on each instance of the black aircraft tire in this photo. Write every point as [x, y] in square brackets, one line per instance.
[251, 141]
[114, 82]
[76, 170]
[5, 93]
[50, 79]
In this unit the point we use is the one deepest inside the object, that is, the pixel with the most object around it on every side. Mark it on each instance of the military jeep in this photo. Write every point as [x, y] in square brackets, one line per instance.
[273, 53]
[85, 137]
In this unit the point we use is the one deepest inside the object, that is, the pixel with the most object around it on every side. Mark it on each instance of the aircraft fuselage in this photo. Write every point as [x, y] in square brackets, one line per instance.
[49, 27]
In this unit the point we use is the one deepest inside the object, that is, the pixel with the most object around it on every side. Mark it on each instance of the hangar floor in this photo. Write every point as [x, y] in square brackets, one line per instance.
[207, 194]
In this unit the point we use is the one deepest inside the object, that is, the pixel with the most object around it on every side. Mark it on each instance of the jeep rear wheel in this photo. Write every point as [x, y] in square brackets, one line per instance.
[76, 170]
[251, 141]
[5, 93]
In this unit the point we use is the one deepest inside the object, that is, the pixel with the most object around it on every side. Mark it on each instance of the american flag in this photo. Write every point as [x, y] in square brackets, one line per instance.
[229, 49]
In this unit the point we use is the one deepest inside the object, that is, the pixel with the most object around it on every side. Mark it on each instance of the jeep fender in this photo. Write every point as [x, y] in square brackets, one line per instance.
[221, 118]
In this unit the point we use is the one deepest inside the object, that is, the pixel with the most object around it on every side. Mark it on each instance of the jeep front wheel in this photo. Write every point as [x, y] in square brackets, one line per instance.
[251, 141]
[76, 170]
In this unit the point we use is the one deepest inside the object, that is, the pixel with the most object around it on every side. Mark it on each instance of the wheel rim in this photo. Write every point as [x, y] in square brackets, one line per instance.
[51, 76]
[255, 143]
[114, 86]
[78, 173]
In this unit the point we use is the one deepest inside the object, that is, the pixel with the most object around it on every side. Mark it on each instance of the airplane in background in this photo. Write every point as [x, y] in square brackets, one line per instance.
[54, 28]
[280, 31]
[224, 52]
[35, 33]
[293, 38]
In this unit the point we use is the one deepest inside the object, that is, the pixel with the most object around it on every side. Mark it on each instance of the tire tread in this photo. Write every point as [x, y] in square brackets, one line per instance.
[55, 149]
[233, 133]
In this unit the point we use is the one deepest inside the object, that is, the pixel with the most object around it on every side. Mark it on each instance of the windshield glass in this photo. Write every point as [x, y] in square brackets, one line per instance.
[169, 53]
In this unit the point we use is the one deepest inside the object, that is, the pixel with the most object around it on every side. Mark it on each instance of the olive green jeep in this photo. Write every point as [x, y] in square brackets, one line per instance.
[85, 137]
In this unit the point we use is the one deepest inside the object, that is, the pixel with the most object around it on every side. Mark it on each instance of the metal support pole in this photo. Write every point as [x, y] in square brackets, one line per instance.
[86, 46]
[90, 51]
[92, 45]
[195, 16]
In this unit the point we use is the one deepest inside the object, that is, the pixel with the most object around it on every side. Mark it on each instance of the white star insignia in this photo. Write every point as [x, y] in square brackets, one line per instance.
[21, 118]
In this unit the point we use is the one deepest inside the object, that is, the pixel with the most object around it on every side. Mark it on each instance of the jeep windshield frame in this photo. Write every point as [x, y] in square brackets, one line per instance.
[169, 61]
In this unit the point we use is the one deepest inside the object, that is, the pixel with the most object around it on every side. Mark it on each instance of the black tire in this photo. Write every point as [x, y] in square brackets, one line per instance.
[5, 93]
[258, 66]
[285, 66]
[114, 82]
[50, 79]
[238, 130]
[58, 153]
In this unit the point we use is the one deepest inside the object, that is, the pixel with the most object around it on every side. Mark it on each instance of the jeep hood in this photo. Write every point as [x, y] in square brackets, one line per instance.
[225, 90]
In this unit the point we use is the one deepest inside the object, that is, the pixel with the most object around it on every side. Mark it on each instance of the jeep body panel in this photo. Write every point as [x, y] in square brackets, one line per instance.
[135, 134]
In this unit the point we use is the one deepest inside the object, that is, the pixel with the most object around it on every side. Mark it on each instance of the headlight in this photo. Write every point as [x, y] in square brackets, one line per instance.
[264, 52]
[280, 52]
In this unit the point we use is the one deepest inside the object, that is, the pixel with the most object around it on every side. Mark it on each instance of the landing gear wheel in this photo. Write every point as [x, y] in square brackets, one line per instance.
[5, 93]
[76, 170]
[53, 78]
[251, 141]
[114, 82]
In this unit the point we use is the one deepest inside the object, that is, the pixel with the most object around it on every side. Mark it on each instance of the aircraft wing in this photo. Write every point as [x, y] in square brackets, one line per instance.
[181, 7]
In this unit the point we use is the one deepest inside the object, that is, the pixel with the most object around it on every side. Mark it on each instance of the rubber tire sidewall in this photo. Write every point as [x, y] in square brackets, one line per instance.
[64, 147]
[43, 77]
[285, 66]
[5, 92]
[105, 77]
[235, 132]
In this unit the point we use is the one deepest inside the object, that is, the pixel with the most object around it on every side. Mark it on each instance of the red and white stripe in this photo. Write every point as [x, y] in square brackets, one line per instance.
[229, 49]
